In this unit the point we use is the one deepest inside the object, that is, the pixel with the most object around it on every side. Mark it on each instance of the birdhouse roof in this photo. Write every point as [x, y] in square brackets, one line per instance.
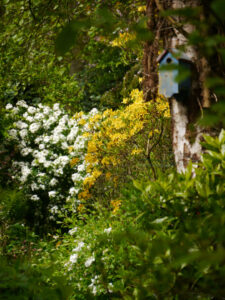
[176, 53]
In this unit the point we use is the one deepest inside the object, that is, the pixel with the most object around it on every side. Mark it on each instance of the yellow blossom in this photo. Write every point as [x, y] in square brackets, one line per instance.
[84, 195]
[118, 124]
[86, 134]
[122, 39]
[70, 149]
[136, 151]
[78, 115]
[142, 8]
[92, 146]
[106, 160]
[91, 159]
[96, 173]
[74, 161]
[125, 100]
[82, 122]
[96, 118]
[108, 175]
[89, 181]
[116, 205]
[81, 207]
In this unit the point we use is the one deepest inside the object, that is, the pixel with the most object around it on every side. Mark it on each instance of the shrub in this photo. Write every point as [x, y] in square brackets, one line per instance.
[21, 281]
[165, 241]
[46, 139]
[123, 145]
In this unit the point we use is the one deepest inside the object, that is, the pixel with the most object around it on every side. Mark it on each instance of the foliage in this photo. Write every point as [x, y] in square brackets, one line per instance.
[164, 241]
[31, 70]
[153, 239]
[22, 282]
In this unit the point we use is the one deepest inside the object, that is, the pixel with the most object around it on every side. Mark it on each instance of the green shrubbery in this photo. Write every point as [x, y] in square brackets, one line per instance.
[21, 281]
[165, 241]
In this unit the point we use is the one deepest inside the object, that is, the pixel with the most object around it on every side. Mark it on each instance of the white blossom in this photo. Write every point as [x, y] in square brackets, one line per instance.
[72, 231]
[35, 198]
[56, 106]
[9, 106]
[34, 186]
[53, 182]
[25, 173]
[89, 261]
[73, 191]
[53, 132]
[108, 230]
[34, 127]
[73, 258]
[21, 125]
[31, 110]
[26, 151]
[79, 247]
[52, 194]
[41, 146]
[54, 209]
[22, 103]
[13, 133]
[76, 177]
[81, 168]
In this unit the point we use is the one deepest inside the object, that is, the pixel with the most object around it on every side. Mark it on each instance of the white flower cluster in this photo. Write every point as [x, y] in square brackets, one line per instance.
[83, 256]
[47, 139]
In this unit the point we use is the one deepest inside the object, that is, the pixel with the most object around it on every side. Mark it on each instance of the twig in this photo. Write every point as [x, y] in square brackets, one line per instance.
[31, 10]
[175, 24]
[149, 150]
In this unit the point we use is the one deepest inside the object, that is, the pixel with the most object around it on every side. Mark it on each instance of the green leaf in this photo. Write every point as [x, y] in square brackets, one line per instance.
[222, 136]
[200, 189]
[214, 142]
[215, 155]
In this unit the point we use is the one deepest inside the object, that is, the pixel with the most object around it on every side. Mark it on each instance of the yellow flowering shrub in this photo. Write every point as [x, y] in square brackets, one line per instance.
[117, 145]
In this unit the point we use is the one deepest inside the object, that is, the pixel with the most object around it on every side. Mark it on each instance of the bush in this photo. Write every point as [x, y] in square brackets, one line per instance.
[165, 241]
[123, 145]
[46, 139]
[21, 281]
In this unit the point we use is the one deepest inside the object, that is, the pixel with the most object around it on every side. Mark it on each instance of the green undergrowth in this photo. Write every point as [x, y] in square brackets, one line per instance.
[165, 240]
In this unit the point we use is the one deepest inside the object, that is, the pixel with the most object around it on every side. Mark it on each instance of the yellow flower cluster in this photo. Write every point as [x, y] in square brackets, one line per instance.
[117, 140]
[142, 8]
[108, 145]
[74, 161]
[89, 181]
[116, 205]
[162, 106]
[122, 39]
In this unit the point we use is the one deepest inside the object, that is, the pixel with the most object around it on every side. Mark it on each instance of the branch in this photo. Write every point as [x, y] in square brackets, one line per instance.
[31, 10]
[175, 24]
[149, 150]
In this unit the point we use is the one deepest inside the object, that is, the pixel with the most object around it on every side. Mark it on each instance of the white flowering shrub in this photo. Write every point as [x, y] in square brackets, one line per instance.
[47, 139]
[90, 252]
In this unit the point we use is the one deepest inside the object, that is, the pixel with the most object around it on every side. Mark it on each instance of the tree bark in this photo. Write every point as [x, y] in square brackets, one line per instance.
[186, 134]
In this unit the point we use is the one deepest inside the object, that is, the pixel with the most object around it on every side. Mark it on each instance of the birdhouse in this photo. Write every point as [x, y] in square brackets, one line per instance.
[171, 64]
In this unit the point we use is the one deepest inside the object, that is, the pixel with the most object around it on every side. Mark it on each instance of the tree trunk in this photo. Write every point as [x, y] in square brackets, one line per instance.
[186, 134]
